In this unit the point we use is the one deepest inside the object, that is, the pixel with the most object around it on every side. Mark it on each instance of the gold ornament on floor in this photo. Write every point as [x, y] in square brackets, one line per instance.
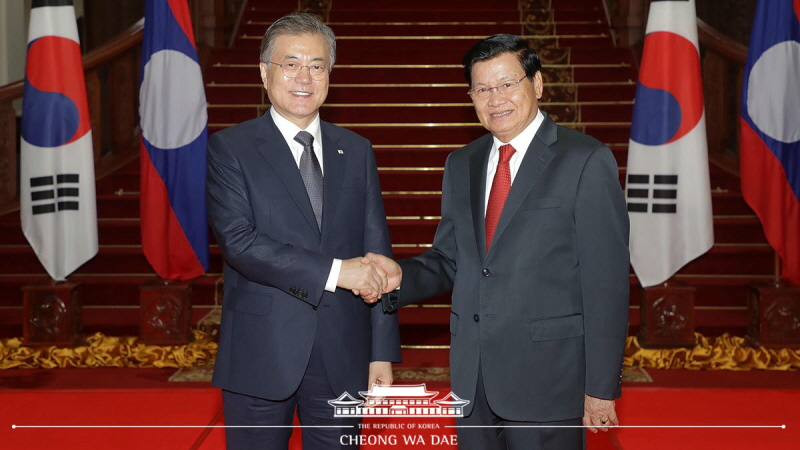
[106, 351]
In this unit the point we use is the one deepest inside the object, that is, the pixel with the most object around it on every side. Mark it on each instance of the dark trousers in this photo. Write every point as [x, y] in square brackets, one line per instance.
[513, 435]
[311, 402]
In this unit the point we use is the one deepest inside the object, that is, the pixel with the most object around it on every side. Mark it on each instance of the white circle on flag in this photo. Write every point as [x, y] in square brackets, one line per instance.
[773, 97]
[172, 100]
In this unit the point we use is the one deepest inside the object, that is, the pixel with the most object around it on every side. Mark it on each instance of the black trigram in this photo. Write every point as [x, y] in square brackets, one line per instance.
[55, 193]
[664, 189]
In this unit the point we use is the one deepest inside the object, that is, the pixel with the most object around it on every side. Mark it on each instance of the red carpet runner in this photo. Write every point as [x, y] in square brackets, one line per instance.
[201, 407]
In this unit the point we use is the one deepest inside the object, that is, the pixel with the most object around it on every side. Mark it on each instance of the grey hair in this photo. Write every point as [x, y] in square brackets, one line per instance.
[297, 23]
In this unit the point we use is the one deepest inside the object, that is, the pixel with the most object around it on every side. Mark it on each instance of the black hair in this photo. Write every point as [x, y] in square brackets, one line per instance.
[493, 46]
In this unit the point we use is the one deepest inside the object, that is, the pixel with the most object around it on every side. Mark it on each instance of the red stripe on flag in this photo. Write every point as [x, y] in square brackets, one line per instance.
[180, 9]
[163, 241]
[766, 189]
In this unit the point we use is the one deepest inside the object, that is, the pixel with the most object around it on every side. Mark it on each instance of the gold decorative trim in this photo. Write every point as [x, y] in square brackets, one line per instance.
[413, 217]
[443, 38]
[430, 66]
[106, 351]
[426, 347]
[418, 145]
[416, 105]
[431, 193]
[471, 124]
[573, 22]
[430, 85]
[411, 169]
[722, 353]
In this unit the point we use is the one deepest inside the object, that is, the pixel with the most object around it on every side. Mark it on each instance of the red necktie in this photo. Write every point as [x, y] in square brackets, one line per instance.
[500, 187]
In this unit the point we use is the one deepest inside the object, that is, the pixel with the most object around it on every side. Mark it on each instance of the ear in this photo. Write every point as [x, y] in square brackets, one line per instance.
[264, 73]
[538, 84]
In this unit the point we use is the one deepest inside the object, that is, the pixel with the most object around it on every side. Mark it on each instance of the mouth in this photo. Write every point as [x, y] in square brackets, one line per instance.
[300, 93]
[500, 114]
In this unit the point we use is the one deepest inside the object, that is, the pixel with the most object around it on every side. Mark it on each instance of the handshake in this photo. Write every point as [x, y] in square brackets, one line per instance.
[370, 276]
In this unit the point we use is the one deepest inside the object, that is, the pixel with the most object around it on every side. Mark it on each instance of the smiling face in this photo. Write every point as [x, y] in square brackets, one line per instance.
[506, 116]
[297, 99]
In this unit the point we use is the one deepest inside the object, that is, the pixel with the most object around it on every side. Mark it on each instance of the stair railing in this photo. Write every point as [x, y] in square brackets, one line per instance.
[723, 68]
[112, 88]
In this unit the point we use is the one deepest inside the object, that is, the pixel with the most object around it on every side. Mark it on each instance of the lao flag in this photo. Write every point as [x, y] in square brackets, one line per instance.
[173, 152]
[57, 198]
[770, 128]
[668, 190]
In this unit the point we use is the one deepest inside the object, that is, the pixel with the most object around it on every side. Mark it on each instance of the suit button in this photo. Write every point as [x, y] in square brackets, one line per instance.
[476, 318]
[486, 272]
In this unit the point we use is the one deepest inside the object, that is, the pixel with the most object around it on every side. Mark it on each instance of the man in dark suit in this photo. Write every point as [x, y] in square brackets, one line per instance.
[294, 202]
[533, 242]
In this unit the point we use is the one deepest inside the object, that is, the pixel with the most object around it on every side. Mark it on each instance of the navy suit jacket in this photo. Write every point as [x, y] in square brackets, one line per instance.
[277, 261]
[543, 315]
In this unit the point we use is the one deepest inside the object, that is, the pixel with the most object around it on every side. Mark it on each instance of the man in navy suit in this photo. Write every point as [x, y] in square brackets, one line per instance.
[293, 203]
[533, 242]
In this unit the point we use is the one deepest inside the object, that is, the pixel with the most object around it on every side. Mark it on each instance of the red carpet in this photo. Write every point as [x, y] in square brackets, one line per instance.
[696, 407]
[202, 406]
[176, 406]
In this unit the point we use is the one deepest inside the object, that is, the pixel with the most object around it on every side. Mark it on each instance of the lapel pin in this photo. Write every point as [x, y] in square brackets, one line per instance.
[341, 152]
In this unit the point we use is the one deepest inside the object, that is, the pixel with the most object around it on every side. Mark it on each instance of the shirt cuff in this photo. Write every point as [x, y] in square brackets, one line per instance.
[333, 277]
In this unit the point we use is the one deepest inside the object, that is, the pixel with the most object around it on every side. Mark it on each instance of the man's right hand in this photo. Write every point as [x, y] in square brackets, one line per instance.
[362, 278]
[392, 270]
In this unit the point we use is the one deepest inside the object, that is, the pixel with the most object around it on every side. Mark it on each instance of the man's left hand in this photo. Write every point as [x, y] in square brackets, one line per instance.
[599, 413]
[380, 373]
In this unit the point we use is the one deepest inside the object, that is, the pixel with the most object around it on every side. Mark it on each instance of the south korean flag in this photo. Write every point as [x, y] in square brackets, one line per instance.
[57, 193]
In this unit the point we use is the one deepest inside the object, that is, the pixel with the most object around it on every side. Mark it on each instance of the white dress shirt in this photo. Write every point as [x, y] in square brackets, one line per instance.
[520, 143]
[289, 131]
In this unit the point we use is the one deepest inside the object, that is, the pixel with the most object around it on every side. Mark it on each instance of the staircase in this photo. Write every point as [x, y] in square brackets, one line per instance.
[398, 81]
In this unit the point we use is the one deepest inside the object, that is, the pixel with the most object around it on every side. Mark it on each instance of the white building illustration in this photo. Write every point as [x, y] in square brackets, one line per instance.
[398, 400]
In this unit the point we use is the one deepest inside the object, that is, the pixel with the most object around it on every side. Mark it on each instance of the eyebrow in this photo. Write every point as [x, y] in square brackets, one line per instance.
[318, 58]
[506, 78]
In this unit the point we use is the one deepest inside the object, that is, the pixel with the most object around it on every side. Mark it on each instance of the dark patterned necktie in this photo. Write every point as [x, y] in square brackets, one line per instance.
[497, 196]
[311, 172]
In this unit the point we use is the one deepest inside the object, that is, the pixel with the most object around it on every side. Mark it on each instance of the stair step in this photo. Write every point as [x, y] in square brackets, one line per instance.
[728, 203]
[454, 15]
[421, 112]
[454, 45]
[744, 230]
[425, 28]
[420, 73]
[413, 55]
[722, 259]
[252, 93]
[110, 290]
[424, 5]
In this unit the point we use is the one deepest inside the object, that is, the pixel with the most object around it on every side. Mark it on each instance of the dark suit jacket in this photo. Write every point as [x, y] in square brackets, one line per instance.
[277, 261]
[544, 313]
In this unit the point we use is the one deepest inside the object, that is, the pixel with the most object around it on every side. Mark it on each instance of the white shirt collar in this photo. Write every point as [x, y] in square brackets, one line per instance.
[289, 130]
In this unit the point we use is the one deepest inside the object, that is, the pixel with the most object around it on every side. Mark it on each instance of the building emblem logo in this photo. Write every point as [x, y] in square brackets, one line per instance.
[412, 400]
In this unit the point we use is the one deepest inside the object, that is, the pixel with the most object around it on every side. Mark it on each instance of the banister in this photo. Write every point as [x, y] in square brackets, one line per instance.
[124, 41]
[718, 42]
[723, 67]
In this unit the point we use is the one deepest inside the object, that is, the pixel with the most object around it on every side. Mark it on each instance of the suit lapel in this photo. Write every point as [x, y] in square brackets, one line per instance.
[277, 153]
[537, 158]
[334, 166]
[477, 181]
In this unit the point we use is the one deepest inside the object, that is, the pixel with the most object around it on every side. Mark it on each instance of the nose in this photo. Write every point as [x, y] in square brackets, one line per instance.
[304, 76]
[496, 97]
